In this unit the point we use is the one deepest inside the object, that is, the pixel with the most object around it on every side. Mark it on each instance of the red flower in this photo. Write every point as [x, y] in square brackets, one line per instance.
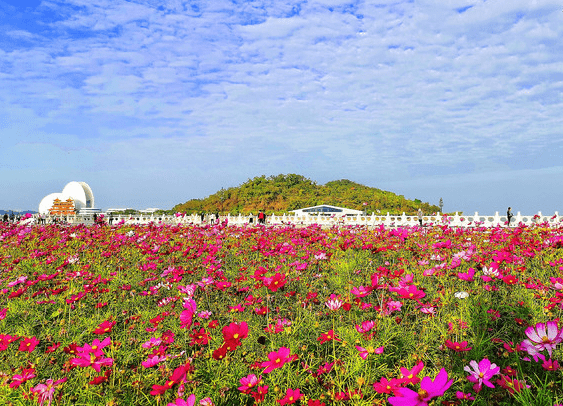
[100, 379]
[28, 344]
[72, 348]
[457, 347]
[5, 340]
[291, 396]
[200, 337]
[510, 279]
[104, 327]
[276, 282]
[328, 336]
[385, 386]
[52, 348]
[260, 394]
[235, 331]
[220, 353]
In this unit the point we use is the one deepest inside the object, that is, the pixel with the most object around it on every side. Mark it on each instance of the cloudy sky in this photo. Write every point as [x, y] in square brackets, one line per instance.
[154, 102]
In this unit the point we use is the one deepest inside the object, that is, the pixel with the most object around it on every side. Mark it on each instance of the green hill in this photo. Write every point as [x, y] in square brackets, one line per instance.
[281, 193]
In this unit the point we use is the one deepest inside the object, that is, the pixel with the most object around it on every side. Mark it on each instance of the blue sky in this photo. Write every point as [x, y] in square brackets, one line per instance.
[156, 102]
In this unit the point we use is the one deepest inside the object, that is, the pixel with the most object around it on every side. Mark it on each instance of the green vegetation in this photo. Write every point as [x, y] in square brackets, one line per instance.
[282, 193]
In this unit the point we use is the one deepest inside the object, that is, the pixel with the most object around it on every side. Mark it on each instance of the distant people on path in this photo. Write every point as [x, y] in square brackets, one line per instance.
[202, 216]
[261, 217]
[509, 215]
[419, 215]
[5, 217]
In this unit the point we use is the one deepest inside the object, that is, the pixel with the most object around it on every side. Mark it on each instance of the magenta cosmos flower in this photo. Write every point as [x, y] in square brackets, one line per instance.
[481, 373]
[277, 359]
[428, 390]
[542, 337]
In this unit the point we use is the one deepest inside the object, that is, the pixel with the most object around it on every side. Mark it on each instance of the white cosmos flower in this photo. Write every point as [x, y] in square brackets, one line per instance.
[461, 295]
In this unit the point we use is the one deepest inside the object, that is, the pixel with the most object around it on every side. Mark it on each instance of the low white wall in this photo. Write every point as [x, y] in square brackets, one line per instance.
[388, 220]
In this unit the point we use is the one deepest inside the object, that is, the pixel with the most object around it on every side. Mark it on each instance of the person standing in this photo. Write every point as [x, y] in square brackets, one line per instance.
[509, 215]
[419, 215]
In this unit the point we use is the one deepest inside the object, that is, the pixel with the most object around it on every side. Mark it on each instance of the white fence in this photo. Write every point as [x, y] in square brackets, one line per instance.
[373, 220]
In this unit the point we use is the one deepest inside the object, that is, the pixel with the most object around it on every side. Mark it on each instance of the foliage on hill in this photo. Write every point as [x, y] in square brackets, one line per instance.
[282, 193]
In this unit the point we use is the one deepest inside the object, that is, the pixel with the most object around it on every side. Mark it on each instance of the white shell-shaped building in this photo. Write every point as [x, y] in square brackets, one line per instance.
[80, 192]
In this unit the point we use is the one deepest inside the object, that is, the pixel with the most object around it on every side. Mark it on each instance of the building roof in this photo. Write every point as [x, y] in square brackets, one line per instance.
[327, 209]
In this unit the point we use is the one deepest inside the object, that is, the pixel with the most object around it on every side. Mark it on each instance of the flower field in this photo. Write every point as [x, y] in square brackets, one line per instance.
[221, 315]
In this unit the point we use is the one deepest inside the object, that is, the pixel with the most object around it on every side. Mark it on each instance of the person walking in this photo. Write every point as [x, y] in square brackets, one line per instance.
[419, 215]
[509, 215]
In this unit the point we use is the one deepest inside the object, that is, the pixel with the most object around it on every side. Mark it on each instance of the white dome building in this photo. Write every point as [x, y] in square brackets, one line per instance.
[79, 192]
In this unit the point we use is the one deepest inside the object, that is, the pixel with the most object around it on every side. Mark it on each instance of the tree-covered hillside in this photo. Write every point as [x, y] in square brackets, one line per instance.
[282, 193]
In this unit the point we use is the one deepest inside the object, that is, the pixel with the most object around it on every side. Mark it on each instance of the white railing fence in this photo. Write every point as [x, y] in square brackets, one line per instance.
[388, 220]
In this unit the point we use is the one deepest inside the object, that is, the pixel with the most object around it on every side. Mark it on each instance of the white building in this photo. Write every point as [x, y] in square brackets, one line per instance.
[79, 192]
[326, 210]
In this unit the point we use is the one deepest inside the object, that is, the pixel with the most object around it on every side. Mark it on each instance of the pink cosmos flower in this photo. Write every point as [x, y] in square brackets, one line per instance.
[542, 337]
[510, 384]
[190, 401]
[187, 290]
[334, 303]
[26, 375]
[96, 348]
[45, 391]
[204, 314]
[482, 373]
[154, 360]
[361, 291]
[393, 306]
[364, 352]
[464, 396]
[410, 376]
[409, 292]
[467, 276]
[90, 360]
[249, 382]
[428, 390]
[427, 309]
[550, 365]
[277, 359]
[186, 318]
[3, 313]
[365, 327]
[19, 280]
[153, 342]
